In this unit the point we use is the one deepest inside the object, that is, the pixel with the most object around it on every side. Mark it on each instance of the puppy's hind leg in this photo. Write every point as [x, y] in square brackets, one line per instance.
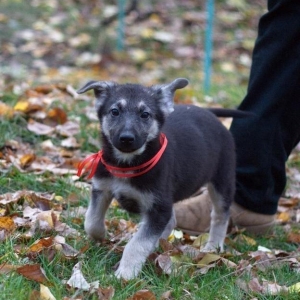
[95, 215]
[219, 221]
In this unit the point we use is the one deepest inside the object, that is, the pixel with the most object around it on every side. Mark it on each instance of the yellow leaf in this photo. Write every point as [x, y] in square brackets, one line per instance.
[241, 238]
[295, 288]
[27, 159]
[7, 223]
[22, 106]
[284, 217]
[201, 240]
[208, 259]
[45, 293]
[58, 198]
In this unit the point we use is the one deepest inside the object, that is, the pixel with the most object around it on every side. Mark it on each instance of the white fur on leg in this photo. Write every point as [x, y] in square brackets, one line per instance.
[136, 252]
[95, 216]
[217, 232]
[218, 224]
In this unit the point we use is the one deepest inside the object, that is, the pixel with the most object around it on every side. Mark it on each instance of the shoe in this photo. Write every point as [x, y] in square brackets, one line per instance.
[254, 223]
[193, 216]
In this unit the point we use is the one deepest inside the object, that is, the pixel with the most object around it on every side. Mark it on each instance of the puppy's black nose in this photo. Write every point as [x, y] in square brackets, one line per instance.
[127, 138]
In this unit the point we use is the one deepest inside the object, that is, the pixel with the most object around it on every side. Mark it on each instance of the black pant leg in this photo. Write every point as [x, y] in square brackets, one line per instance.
[264, 142]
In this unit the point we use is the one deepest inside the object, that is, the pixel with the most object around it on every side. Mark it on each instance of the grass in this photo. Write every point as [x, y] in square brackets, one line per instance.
[97, 265]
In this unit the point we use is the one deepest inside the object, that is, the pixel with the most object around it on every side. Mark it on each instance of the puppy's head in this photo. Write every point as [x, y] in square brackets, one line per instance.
[131, 115]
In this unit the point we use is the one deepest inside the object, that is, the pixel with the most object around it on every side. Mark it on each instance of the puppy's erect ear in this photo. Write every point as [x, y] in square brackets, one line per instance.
[100, 89]
[165, 93]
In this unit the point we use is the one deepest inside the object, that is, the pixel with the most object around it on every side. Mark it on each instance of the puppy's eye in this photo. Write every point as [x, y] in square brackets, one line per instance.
[145, 115]
[115, 112]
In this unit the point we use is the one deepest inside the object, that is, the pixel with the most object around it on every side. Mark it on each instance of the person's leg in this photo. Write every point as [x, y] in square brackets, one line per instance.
[264, 142]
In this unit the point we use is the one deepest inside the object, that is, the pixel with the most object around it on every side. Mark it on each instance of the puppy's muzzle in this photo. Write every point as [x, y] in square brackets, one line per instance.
[127, 142]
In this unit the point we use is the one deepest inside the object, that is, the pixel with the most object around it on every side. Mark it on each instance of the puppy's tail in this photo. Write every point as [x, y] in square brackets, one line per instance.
[230, 113]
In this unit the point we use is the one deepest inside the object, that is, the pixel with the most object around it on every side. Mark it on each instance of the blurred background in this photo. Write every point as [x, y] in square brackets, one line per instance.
[148, 42]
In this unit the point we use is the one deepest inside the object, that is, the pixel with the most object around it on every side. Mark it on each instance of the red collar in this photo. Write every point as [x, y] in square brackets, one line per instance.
[91, 162]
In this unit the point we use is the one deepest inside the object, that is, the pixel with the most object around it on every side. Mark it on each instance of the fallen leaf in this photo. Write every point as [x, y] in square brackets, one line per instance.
[77, 280]
[244, 239]
[27, 159]
[39, 128]
[34, 272]
[295, 288]
[294, 237]
[201, 240]
[208, 259]
[264, 249]
[41, 244]
[143, 295]
[7, 268]
[45, 293]
[6, 110]
[284, 217]
[58, 115]
[7, 223]
[68, 129]
[105, 293]
[272, 288]
[165, 263]
[70, 142]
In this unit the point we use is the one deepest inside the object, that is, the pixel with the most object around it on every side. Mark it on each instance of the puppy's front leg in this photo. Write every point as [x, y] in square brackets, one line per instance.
[94, 218]
[142, 244]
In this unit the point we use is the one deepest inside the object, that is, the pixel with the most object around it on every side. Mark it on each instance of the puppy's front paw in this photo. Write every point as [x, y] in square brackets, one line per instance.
[209, 247]
[96, 233]
[128, 272]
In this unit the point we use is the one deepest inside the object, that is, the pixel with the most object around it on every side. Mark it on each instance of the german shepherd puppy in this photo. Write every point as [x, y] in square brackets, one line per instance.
[155, 154]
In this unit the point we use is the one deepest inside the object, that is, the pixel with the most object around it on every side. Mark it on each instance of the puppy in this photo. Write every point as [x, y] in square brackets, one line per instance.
[153, 155]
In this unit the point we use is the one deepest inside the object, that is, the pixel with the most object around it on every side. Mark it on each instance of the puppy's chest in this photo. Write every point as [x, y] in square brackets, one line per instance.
[129, 197]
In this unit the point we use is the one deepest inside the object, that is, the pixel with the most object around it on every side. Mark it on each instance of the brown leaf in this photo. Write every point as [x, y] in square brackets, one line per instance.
[27, 159]
[106, 293]
[34, 272]
[294, 237]
[165, 245]
[44, 88]
[58, 115]
[41, 244]
[143, 295]
[288, 202]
